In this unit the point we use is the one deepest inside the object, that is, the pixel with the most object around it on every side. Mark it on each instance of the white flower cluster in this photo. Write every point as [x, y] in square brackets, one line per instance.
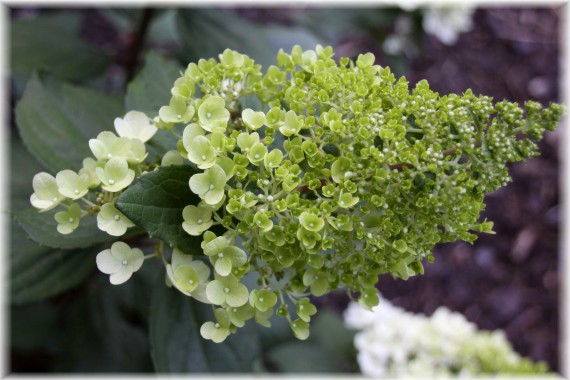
[446, 23]
[396, 343]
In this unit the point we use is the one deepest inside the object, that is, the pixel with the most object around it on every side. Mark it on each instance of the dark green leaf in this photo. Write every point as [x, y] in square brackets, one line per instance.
[37, 273]
[42, 228]
[56, 120]
[151, 87]
[105, 323]
[155, 203]
[52, 42]
[341, 342]
[205, 33]
[32, 326]
[303, 357]
[149, 91]
[23, 167]
[176, 344]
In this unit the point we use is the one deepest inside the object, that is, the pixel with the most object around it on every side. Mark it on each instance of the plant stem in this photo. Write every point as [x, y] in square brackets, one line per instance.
[137, 43]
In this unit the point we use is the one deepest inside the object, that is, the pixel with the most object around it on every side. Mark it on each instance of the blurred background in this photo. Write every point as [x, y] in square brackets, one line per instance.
[508, 281]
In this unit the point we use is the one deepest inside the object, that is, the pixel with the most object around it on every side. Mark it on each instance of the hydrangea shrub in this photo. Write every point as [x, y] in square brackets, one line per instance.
[394, 343]
[313, 176]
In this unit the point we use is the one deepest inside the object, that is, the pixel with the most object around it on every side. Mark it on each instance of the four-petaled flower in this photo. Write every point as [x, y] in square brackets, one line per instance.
[196, 219]
[219, 330]
[213, 115]
[178, 111]
[224, 256]
[116, 175]
[209, 185]
[46, 194]
[227, 290]
[113, 221]
[188, 276]
[71, 184]
[68, 221]
[135, 125]
[120, 261]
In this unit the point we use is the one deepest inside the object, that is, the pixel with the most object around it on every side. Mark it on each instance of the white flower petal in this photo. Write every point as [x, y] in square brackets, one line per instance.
[120, 277]
[106, 263]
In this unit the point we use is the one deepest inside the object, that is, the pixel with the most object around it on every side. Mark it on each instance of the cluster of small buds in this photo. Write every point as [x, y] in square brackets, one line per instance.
[339, 175]
[394, 343]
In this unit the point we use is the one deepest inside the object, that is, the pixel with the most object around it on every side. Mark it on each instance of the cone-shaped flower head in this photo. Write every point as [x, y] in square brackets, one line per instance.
[116, 175]
[68, 221]
[213, 114]
[196, 219]
[113, 221]
[135, 125]
[120, 261]
[227, 290]
[209, 185]
[177, 111]
[71, 184]
[46, 194]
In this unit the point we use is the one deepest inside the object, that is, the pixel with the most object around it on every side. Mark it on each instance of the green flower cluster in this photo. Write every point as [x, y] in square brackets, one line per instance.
[338, 175]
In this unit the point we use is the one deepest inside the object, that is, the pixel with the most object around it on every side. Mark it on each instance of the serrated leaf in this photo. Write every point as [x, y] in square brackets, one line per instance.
[176, 344]
[56, 120]
[38, 272]
[151, 87]
[155, 203]
[52, 42]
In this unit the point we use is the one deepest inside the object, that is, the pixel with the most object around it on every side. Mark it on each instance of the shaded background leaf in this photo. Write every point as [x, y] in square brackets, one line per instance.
[151, 87]
[52, 42]
[56, 120]
[37, 272]
[205, 33]
[177, 346]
